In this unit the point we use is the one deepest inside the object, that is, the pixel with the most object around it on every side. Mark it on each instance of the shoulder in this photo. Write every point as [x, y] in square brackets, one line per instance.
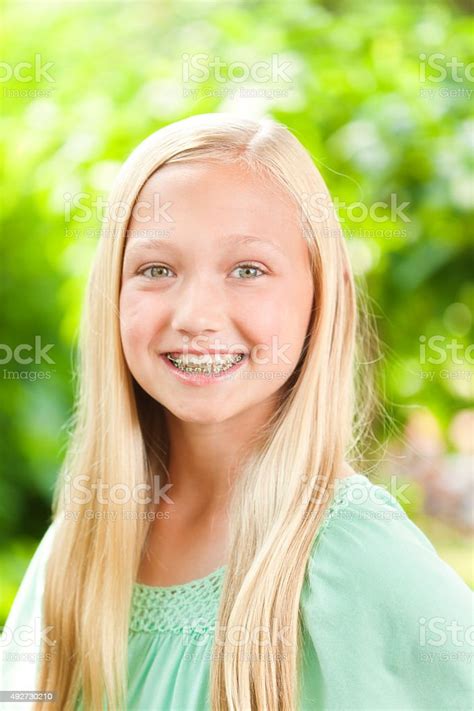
[21, 636]
[33, 580]
[367, 537]
[376, 588]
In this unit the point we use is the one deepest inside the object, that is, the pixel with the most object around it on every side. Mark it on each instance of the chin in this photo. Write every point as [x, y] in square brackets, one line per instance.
[204, 417]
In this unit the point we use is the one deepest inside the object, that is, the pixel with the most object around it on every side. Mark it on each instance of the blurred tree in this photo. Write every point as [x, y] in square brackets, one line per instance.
[367, 87]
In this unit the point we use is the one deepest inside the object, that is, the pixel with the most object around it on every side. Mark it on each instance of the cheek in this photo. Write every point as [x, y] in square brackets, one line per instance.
[284, 312]
[279, 323]
[258, 317]
[139, 320]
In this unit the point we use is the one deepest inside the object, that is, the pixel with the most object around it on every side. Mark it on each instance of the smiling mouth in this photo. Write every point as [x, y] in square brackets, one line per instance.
[206, 365]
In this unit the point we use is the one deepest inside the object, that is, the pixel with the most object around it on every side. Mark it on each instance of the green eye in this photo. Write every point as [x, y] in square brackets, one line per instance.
[153, 271]
[158, 271]
[247, 268]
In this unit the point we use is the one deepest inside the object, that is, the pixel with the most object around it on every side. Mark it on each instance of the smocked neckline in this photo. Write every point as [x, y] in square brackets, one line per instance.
[177, 586]
[339, 488]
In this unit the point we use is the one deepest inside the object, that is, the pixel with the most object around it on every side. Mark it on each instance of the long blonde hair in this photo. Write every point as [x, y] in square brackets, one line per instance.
[119, 436]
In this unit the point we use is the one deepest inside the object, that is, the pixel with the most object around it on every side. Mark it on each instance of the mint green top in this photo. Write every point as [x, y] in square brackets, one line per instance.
[387, 625]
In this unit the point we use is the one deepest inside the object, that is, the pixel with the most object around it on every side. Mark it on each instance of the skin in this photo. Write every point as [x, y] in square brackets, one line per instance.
[197, 289]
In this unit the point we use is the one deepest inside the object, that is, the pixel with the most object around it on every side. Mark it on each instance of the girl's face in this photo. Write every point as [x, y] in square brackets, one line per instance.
[214, 261]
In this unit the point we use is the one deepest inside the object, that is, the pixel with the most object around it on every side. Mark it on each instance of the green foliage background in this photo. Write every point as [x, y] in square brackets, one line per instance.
[356, 102]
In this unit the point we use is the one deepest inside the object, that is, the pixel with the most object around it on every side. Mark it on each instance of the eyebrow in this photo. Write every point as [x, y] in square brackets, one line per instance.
[149, 243]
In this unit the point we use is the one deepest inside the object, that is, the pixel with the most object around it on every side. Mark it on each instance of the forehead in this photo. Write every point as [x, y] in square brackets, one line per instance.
[224, 195]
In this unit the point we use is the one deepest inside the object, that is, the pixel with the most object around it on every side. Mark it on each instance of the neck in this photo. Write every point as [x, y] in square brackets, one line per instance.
[205, 459]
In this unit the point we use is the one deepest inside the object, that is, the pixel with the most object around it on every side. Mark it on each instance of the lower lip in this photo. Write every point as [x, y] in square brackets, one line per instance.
[201, 378]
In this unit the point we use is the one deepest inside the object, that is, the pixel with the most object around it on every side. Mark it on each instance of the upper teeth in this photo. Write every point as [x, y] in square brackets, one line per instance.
[205, 362]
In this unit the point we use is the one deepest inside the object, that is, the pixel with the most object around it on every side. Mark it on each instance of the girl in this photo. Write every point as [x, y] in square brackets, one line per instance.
[211, 548]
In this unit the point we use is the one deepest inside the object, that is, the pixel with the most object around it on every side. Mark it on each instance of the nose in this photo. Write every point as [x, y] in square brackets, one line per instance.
[197, 307]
